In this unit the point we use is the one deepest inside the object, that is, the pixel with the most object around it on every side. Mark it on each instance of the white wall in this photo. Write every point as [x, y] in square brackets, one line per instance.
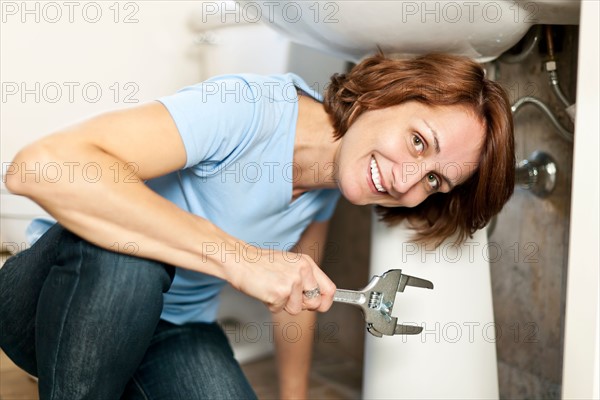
[142, 51]
[60, 63]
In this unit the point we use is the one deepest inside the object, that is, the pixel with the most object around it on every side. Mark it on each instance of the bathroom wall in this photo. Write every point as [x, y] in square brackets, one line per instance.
[62, 62]
[95, 57]
[529, 245]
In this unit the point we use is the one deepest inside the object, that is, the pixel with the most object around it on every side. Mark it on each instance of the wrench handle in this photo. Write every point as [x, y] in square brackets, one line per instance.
[350, 297]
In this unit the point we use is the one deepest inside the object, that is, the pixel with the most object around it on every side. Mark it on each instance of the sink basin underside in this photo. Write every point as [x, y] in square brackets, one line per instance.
[354, 29]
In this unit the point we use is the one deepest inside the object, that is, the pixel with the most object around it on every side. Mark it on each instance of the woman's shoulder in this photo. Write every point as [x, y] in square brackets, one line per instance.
[255, 88]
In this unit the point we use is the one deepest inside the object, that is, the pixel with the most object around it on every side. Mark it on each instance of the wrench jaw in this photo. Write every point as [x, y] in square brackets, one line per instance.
[407, 330]
[380, 322]
[392, 328]
[407, 280]
[378, 310]
[376, 301]
[382, 326]
[373, 331]
[399, 330]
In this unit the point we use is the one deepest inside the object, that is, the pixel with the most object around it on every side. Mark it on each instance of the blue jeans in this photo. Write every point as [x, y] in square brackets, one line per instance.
[86, 322]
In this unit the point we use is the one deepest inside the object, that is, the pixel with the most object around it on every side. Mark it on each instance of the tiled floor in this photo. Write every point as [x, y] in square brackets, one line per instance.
[332, 377]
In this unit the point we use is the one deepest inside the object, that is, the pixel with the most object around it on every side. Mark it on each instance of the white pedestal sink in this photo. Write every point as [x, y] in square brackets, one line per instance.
[455, 355]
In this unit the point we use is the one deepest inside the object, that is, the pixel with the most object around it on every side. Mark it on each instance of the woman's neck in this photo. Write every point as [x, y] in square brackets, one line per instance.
[314, 148]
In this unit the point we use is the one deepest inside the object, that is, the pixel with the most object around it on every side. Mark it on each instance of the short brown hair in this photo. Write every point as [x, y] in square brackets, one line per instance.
[436, 80]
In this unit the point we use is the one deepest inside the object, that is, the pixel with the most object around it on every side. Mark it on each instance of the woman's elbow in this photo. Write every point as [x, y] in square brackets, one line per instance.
[30, 169]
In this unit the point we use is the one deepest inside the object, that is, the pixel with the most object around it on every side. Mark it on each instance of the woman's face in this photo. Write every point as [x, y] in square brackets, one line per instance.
[397, 156]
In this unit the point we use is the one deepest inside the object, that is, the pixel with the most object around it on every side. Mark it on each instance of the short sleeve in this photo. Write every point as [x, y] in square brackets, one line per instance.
[214, 119]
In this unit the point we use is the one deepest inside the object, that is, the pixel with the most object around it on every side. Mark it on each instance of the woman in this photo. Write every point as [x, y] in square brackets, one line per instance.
[233, 180]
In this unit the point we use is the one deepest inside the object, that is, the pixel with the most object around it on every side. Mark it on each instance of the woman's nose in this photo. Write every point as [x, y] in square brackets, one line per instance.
[407, 175]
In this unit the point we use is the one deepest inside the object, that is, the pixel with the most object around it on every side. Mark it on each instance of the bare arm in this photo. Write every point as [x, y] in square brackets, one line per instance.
[99, 194]
[294, 353]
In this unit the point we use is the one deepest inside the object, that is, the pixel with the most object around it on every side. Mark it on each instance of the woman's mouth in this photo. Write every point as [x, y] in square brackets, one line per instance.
[375, 176]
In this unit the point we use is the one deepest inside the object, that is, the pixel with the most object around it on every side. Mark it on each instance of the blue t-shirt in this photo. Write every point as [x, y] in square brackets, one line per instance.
[238, 132]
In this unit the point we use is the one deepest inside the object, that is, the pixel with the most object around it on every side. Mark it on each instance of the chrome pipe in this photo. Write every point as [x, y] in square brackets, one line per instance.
[555, 85]
[562, 131]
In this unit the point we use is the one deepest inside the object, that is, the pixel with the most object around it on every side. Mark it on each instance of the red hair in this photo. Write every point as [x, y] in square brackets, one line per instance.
[436, 80]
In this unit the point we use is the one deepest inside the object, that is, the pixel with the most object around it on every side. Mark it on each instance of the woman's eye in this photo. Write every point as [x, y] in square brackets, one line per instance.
[418, 143]
[433, 182]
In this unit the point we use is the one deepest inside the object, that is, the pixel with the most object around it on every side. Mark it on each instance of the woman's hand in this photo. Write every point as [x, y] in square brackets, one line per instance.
[278, 278]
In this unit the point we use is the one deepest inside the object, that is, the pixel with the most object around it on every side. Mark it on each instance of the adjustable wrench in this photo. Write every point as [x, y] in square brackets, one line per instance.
[376, 301]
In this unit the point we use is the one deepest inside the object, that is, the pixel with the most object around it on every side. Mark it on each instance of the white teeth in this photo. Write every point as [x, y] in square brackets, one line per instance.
[375, 176]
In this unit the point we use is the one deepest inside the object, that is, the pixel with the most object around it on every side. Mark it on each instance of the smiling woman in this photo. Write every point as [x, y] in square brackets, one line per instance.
[458, 134]
[407, 159]
[194, 191]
